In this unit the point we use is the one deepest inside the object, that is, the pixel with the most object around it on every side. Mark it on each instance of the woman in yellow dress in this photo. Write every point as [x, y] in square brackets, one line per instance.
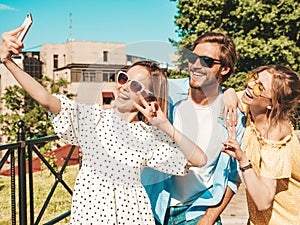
[270, 159]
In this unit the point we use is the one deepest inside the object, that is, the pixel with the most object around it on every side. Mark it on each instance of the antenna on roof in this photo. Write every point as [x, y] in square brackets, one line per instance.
[70, 27]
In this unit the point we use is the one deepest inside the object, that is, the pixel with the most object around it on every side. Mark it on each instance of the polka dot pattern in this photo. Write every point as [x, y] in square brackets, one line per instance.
[108, 187]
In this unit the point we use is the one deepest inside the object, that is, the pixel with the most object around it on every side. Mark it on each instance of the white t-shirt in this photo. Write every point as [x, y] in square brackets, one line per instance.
[201, 124]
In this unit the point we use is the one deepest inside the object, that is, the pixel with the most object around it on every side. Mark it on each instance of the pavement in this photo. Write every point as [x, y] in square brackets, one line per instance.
[236, 213]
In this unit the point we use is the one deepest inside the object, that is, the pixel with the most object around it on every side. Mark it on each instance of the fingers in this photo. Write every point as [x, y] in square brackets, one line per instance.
[230, 116]
[11, 42]
[240, 106]
[154, 107]
[230, 146]
[235, 116]
[147, 108]
[16, 31]
[143, 100]
[231, 131]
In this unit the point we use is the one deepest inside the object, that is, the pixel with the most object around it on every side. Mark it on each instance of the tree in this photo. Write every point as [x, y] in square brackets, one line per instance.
[264, 31]
[22, 107]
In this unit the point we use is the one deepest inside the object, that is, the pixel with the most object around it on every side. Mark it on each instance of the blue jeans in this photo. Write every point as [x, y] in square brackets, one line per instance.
[176, 215]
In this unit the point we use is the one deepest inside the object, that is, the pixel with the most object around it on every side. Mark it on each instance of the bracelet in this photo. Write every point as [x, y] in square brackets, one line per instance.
[244, 168]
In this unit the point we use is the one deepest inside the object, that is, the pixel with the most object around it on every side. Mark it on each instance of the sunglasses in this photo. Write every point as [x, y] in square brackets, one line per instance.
[135, 86]
[258, 87]
[204, 60]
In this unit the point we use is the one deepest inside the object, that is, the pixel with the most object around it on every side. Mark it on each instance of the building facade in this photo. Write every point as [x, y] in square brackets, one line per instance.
[89, 67]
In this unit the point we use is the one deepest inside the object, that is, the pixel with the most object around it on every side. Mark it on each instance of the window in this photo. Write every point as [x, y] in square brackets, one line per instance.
[76, 75]
[89, 76]
[105, 76]
[33, 66]
[55, 61]
[105, 56]
[108, 76]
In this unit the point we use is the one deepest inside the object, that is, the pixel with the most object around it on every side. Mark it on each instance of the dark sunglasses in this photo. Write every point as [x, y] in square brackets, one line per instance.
[134, 85]
[204, 60]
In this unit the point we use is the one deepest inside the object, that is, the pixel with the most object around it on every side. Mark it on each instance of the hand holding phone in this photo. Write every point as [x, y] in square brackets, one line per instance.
[27, 24]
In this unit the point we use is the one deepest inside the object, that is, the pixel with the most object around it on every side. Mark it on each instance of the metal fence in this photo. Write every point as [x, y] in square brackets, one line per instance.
[18, 151]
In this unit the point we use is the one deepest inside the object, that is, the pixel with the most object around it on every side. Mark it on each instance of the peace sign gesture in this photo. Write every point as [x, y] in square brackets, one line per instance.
[231, 145]
[152, 111]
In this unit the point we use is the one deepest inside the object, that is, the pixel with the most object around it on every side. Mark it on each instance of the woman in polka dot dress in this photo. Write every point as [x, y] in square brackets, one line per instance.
[117, 143]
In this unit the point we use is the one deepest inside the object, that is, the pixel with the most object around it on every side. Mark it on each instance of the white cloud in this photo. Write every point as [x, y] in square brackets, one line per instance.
[6, 7]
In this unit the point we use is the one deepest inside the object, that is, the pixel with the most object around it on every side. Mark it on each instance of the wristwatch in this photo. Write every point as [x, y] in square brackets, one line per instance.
[244, 168]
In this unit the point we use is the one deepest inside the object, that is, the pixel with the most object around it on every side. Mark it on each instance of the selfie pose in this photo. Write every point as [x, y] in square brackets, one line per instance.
[270, 159]
[116, 143]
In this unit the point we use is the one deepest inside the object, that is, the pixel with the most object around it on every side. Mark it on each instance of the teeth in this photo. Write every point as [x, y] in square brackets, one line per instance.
[198, 74]
[249, 94]
[123, 96]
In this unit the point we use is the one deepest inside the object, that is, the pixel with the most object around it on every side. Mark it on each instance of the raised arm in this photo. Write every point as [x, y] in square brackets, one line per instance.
[156, 117]
[261, 189]
[11, 45]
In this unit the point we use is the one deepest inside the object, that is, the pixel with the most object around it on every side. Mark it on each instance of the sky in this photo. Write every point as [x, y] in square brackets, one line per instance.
[145, 26]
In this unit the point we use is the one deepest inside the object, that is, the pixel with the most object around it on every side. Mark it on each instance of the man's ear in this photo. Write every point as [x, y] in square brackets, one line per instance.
[225, 70]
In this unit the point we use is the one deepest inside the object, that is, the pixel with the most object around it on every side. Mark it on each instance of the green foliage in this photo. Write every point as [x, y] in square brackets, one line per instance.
[22, 107]
[236, 81]
[264, 31]
[175, 74]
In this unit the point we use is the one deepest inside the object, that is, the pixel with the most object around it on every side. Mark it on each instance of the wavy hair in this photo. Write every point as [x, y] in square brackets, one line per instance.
[285, 91]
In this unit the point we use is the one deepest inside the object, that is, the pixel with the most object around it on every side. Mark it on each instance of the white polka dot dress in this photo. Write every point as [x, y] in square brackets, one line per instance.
[108, 188]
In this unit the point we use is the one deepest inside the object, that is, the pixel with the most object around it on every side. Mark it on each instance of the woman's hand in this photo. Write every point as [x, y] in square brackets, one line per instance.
[10, 44]
[231, 103]
[151, 111]
[231, 145]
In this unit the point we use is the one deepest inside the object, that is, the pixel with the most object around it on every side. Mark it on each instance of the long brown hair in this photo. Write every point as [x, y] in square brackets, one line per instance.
[285, 92]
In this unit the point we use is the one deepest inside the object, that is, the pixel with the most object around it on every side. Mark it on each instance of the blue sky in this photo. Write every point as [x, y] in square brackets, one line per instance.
[126, 21]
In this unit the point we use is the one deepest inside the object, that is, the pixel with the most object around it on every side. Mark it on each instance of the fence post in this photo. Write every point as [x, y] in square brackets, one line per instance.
[22, 173]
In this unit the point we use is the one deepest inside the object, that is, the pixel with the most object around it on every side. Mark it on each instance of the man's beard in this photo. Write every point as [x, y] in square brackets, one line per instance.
[203, 86]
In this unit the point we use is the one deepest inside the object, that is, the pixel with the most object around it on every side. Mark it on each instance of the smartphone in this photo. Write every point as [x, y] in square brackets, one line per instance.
[27, 23]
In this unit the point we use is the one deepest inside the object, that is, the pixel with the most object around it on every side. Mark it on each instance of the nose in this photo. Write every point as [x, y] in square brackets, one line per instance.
[125, 86]
[196, 65]
[251, 84]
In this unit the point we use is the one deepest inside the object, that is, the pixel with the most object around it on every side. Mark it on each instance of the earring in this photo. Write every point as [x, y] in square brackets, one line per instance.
[269, 107]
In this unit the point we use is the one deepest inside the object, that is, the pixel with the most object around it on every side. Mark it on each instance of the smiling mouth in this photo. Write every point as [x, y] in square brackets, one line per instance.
[248, 94]
[197, 74]
[123, 96]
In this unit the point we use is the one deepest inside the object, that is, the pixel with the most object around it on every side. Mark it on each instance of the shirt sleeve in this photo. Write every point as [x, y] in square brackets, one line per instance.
[65, 123]
[276, 161]
[166, 156]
